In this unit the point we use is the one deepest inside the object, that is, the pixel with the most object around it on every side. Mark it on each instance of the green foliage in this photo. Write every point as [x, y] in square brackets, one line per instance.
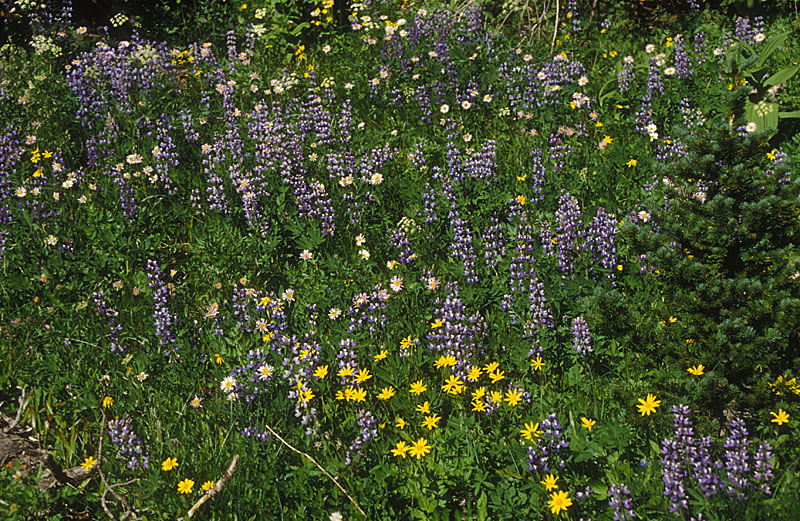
[726, 246]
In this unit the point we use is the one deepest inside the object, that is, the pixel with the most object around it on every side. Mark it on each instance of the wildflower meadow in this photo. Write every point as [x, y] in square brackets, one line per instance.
[336, 260]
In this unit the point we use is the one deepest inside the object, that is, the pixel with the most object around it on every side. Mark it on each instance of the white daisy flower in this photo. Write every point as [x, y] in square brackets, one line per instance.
[228, 384]
[334, 313]
[396, 284]
[306, 255]
[265, 372]
[750, 127]
[444, 109]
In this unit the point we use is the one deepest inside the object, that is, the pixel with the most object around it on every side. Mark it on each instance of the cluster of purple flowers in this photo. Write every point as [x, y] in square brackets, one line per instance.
[129, 446]
[601, 241]
[626, 75]
[581, 339]
[482, 164]
[103, 78]
[746, 31]
[368, 430]
[494, 248]
[163, 318]
[700, 55]
[547, 453]
[346, 356]
[253, 377]
[683, 65]
[299, 360]
[401, 243]
[670, 149]
[536, 177]
[693, 119]
[10, 153]
[460, 335]
[619, 498]
[368, 312]
[655, 86]
[104, 310]
[568, 231]
[540, 316]
[687, 461]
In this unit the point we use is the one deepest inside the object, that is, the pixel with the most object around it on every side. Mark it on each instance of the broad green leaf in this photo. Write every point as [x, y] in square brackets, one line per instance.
[482, 503]
[771, 46]
[764, 114]
[782, 76]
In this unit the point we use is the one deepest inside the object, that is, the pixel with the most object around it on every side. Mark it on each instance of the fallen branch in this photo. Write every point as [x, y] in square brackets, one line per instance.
[312, 460]
[216, 489]
[555, 29]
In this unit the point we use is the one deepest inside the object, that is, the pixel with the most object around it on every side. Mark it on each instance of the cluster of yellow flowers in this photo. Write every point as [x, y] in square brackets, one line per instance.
[181, 57]
[784, 384]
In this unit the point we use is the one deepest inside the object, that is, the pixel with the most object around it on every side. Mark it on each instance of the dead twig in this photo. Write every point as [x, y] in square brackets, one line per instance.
[555, 28]
[312, 460]
[216, 489]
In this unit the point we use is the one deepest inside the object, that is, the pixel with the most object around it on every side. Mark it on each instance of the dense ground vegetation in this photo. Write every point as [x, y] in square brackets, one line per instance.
[384, 260]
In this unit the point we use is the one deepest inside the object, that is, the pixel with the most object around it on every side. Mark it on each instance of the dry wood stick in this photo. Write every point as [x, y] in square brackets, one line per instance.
[312, 460]
[217, 487]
